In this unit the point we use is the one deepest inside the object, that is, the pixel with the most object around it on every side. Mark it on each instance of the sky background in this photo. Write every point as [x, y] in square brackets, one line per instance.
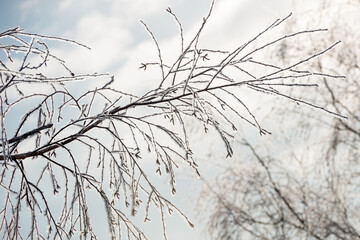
[119, 44]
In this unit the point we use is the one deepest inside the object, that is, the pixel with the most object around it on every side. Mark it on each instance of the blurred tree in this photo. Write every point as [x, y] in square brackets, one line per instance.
[309, 186]
[65, 144]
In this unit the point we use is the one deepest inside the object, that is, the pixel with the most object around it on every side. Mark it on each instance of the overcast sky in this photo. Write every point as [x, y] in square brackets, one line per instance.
[119, 44]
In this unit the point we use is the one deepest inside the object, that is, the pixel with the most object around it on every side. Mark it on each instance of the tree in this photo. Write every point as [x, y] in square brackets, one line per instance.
[63, 141]
[309, 187]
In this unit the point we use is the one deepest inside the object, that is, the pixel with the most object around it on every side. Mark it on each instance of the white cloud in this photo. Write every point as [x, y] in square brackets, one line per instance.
[138, 8]
[130, 78]
[29, 4]
[107, 38]
[108, 29]
[234, 22]
[25, 5]
[66, 4]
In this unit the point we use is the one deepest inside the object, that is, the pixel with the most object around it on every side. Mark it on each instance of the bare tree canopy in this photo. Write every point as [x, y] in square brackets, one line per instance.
[68, 138]
[303, 184]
